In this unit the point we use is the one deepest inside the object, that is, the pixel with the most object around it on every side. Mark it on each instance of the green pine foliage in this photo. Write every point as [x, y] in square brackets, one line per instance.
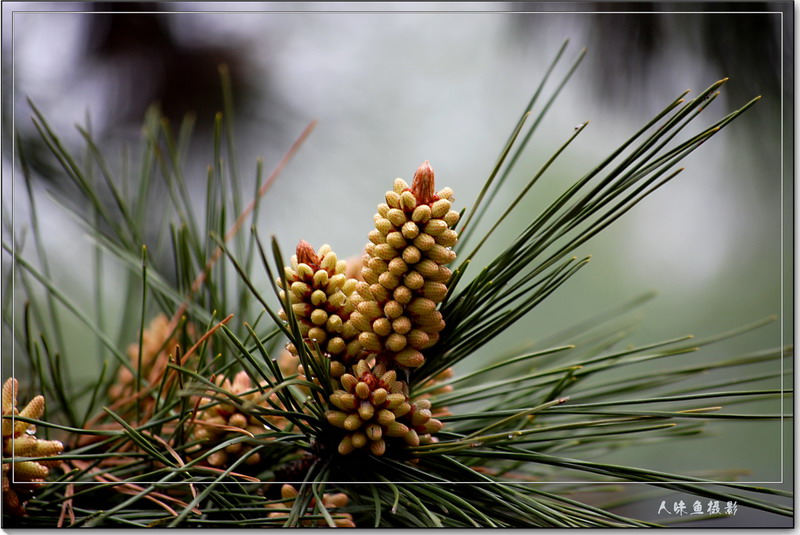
[199, 422]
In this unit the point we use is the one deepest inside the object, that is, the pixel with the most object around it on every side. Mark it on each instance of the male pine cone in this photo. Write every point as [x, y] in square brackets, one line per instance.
[21, 478]
[404, 273]
[372, 406]
[318, 290]
[218, 422]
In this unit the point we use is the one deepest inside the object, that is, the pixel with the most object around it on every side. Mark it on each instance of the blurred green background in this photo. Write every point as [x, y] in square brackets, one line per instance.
[391, 87]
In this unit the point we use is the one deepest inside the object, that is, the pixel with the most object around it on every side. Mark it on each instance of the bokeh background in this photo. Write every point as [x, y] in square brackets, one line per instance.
[392, 85]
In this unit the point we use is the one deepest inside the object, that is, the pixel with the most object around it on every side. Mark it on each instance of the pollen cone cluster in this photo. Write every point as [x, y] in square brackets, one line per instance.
[329, 501]
[404, 272]
[224, 421]
[318, 290]
[377, 325]
[21, 478]
[372, 406]
[157, 343]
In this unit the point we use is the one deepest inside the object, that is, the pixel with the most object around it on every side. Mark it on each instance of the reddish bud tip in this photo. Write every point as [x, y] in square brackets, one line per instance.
[423, 185]
[307, 255]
